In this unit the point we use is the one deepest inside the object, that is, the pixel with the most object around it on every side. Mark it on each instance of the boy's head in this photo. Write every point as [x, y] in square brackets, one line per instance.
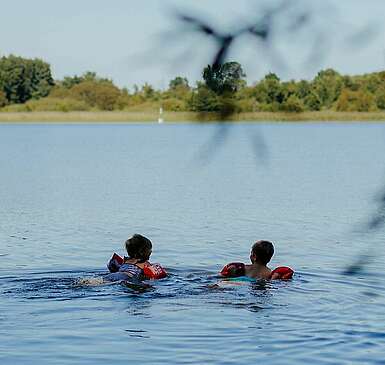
[261, 252]
[139, 247]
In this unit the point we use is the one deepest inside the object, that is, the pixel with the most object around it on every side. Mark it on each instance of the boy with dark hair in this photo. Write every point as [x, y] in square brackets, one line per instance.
[260, 255]
[138, 247]
[135, 266]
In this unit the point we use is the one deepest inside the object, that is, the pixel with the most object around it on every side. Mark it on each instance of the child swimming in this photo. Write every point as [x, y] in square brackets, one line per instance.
[260, 255]
[136, 266]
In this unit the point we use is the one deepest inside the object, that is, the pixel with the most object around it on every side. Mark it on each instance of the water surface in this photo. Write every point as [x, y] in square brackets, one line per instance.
[71, 195]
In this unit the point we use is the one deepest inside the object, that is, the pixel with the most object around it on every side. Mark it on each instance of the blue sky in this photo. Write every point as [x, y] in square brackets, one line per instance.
[133, 41]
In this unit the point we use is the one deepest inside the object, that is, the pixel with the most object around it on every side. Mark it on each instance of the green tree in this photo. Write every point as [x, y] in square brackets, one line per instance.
[22, 79]
[70, 81]
[373, 82]
[289, 88]
[178, 89]
[303, 89]
[41, 79]
[124, 100]
[293, 104]
[355, 101]
[312, 101]
[224, 79]
[174, 105]
[349, 82]
[178, 82]
[328, 85]
[91, 76]
[270, 91]
[3, 99]
[204, 99]
[149, 92]
[101, 95]
[12, 71]
[380, 98]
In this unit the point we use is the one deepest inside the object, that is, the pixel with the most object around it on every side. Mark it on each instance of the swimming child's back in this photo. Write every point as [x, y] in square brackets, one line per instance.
[136, 266]
[260, 255]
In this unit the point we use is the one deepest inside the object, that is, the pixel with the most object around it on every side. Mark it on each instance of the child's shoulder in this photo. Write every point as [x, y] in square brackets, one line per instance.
[258, 272]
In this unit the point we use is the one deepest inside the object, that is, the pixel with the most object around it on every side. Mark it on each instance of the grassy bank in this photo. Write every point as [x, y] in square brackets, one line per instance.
[122, 117]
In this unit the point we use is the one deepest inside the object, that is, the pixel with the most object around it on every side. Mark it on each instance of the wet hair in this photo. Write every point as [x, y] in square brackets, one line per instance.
[263, 250]
[138, 247]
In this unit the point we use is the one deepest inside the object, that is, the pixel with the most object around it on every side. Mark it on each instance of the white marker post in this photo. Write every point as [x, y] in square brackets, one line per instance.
[160, 119]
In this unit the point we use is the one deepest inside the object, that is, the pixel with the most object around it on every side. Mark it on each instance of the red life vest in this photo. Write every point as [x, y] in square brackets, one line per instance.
[115, 262]
[233, 270]
[282, 272]
[154, 271]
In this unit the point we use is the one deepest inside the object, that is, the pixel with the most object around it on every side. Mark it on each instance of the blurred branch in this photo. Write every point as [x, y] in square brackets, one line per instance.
[378, 219]
[262, 28]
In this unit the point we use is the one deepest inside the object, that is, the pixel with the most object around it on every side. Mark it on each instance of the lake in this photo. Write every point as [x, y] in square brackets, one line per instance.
[72, 194]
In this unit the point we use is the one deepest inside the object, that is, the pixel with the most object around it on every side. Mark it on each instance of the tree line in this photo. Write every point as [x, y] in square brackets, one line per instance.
[28, 85]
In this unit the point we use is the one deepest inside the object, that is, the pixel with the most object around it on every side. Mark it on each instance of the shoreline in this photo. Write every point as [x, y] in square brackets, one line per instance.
[148, 117]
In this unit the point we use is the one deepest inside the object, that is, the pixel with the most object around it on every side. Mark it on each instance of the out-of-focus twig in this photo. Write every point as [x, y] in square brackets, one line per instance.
[261, 29]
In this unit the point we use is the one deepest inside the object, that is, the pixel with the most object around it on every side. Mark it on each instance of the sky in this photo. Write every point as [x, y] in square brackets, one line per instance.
[133, 42]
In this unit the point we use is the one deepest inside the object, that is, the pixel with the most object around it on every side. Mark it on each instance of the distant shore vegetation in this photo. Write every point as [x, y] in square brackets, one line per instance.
[27, 85]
